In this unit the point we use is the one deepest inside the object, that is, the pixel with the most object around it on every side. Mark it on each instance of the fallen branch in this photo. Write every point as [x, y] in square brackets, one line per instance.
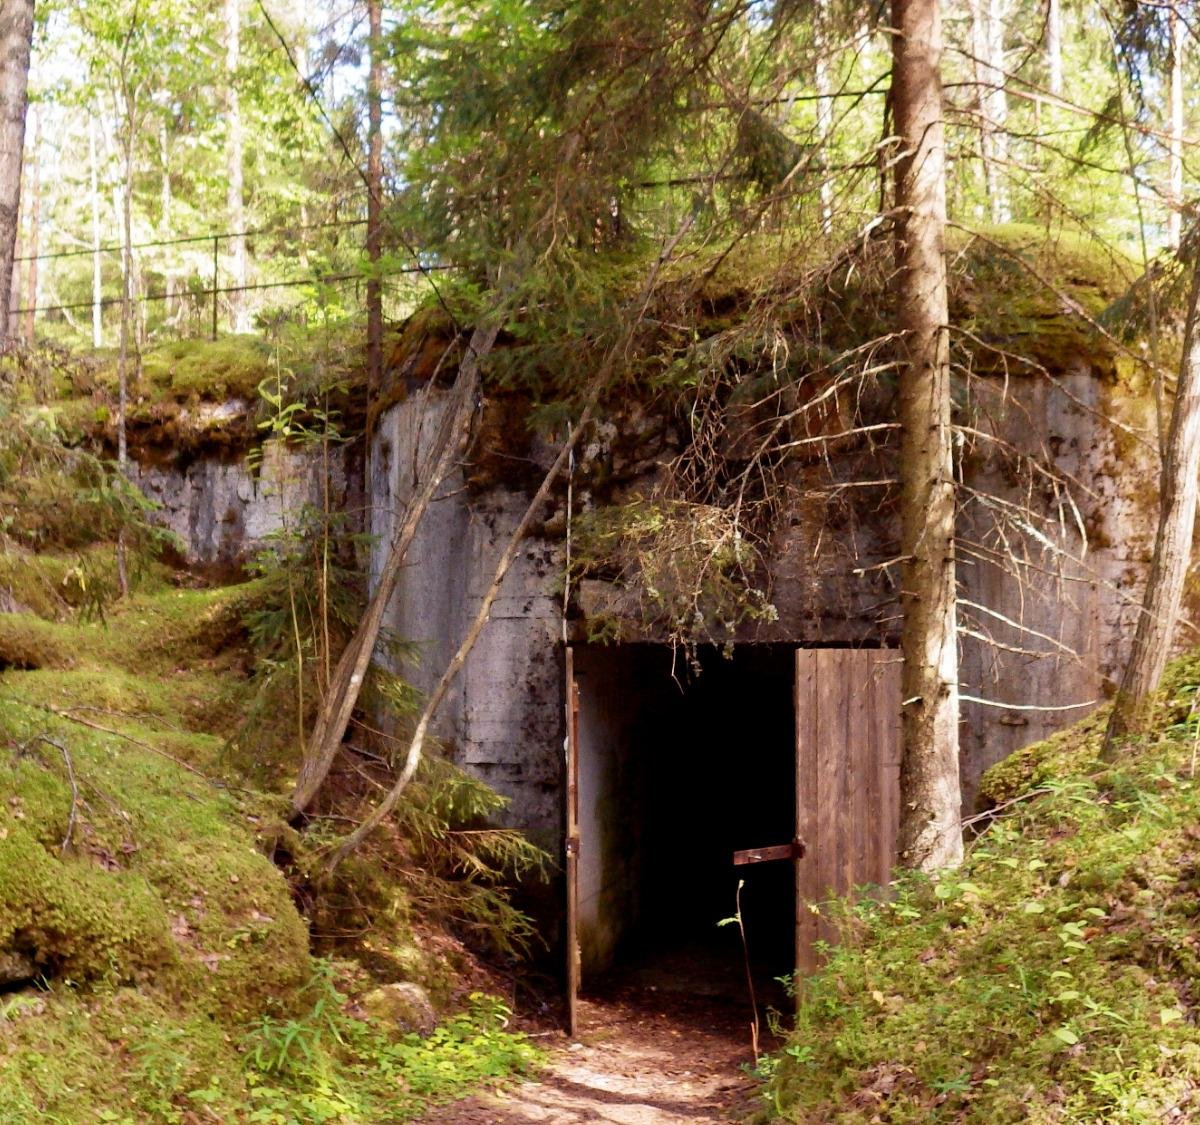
[992, 814]
[71, 718]
[66, 756]
[417, 742]
[346, 684]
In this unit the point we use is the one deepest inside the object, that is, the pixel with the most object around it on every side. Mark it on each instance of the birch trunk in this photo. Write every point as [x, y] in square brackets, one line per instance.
[987, 47]
[97, 275]
[34, 237]
[1054, 65]
[234, 200]
[1132, 710]
[930, 835]
[16, 36]
[123, 355]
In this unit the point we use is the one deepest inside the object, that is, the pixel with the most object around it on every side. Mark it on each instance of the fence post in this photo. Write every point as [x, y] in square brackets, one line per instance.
[216, 245]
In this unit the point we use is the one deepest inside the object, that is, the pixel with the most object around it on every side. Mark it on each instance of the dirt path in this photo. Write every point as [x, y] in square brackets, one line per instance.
[643, 1057]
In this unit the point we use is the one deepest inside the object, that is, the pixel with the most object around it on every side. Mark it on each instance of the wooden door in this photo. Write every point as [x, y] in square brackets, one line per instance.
[572, 844]
[847, 780]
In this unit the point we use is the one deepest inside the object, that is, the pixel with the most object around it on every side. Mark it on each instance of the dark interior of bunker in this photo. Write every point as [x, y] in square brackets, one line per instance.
[682, 763]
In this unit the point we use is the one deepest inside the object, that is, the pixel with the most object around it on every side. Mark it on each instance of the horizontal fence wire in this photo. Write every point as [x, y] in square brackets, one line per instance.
[215, 236]
[210, 291]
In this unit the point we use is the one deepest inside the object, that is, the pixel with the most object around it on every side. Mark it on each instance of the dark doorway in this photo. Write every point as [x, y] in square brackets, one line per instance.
[680, 765]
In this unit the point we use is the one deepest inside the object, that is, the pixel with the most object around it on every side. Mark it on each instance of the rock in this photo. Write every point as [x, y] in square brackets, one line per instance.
[16, 967]
[401, 1004]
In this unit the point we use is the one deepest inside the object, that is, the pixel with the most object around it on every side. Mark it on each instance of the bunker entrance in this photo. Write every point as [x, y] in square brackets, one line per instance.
[678, 768]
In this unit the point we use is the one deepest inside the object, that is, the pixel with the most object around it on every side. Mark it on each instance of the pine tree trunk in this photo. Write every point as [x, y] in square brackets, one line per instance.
[16, 36]
[234, 201]
[824, 108]
[375, 200]
[1132, 710]
[930, 835]
[1175, 157]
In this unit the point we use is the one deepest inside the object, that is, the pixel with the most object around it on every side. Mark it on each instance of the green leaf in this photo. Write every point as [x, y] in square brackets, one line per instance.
[1065, 1036]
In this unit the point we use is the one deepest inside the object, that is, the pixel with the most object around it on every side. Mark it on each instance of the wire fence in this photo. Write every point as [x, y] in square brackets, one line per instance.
[196, 294]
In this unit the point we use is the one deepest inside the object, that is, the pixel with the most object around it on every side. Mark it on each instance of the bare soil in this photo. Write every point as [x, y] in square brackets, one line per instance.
[644, 1056]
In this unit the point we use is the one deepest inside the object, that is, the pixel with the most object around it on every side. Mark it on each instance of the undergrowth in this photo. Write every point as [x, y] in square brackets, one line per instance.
[1050, 979]
[158, 922]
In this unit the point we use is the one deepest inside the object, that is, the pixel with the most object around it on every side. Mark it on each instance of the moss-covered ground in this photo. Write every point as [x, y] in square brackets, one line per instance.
[153, 964]
[1053, 978]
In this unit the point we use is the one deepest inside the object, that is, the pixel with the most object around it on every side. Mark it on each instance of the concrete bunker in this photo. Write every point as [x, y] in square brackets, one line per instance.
[681, 764]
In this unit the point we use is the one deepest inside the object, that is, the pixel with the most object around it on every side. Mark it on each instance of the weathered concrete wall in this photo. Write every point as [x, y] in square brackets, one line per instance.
[1058, 623]
[1040, 634]
[504, 718]
[225, 510]
[611, 792]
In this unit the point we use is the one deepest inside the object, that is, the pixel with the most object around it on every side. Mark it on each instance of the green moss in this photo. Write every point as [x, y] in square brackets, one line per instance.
[1067, 753]
[30, 642]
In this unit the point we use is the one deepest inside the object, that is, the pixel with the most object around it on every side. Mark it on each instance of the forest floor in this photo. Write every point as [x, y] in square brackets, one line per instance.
[644, 1056]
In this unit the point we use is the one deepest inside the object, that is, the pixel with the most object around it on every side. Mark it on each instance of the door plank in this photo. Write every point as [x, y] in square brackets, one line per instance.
[847, 780]
[806, 806]
[572, 844]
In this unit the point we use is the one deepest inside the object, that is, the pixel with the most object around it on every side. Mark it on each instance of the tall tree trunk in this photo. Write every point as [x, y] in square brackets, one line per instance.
[347, 680]
[123, 356]
[16, 37]
[824, 109]
[14, 286]
[34, 234]
[234, 200]
[1054, 64]
[1175, 171]
[97, 275]
[987, 47]
[930, 834]
[374, 200]
[164, 218]
[1132, 709]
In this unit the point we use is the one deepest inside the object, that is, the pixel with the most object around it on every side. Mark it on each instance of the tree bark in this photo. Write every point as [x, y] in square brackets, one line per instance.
[824, 108]
[346, 683]
[930, 835]
[16, 38]
[1132, 709]
[1175, 159]
[374, 200]
[234, 198]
